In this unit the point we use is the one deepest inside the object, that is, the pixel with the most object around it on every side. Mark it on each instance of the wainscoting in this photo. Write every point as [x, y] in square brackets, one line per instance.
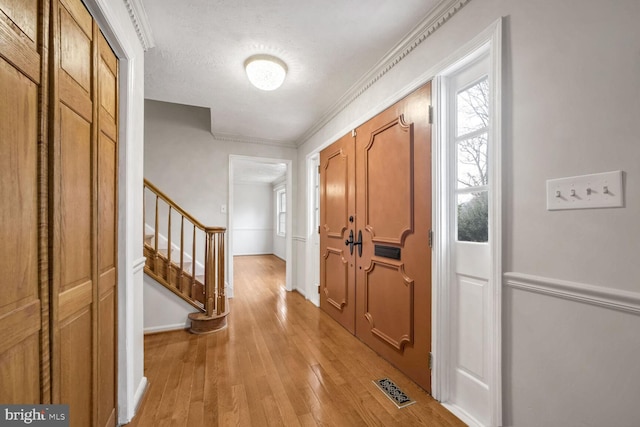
[568, 345]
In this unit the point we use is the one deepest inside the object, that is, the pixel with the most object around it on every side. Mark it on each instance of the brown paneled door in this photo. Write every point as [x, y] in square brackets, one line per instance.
[58, 210]
[84, 209]
[107, 225]
[337, 210]
[23, 304]
[391, 261]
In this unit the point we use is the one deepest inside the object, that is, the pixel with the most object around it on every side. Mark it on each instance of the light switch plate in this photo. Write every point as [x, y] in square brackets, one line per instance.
[600, 190]
[223, 208]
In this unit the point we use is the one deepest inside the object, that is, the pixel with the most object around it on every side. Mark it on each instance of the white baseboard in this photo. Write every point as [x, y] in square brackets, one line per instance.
[137, 397]
[462, 415]
[166, 328]
[615, 299]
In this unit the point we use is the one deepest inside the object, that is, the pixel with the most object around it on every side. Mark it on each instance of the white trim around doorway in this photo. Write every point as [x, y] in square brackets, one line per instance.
[488, 42]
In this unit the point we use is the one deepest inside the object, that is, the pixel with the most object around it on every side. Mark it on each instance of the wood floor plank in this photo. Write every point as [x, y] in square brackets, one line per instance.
[280, 362]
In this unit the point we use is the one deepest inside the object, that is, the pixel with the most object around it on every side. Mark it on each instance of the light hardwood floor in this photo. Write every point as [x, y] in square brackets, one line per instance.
[280, 362]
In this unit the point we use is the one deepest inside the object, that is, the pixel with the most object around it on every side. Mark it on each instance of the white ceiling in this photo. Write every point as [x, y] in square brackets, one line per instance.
[254, 171]
[328, 45]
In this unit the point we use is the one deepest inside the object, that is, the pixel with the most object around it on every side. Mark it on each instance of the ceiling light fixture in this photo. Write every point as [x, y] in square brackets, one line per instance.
[265, 72]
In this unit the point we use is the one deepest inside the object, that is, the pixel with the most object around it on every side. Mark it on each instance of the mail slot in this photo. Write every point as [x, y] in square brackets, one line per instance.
[387, 251]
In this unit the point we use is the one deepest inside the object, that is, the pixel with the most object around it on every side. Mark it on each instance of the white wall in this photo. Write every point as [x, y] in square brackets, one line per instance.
[164, 311]
[253, 218]
[571, 103]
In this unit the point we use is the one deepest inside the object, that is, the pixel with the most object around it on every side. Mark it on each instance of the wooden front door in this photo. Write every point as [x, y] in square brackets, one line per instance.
[337, 210]
[391, 260]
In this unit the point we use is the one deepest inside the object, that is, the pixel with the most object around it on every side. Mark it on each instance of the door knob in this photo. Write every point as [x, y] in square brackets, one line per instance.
[349, 242]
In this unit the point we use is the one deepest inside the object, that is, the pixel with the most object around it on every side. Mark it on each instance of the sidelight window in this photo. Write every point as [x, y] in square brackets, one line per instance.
[471, 139]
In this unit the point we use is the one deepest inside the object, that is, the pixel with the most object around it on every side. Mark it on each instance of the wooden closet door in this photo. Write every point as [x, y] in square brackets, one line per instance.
[107, 232]
[23, 282]
[73, 213]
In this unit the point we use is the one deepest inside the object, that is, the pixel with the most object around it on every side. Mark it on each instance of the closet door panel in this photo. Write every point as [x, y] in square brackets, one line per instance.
[73, 213]
[107, 209]
[75, 200]
[20, 304]
[75, 356]
[23, 14]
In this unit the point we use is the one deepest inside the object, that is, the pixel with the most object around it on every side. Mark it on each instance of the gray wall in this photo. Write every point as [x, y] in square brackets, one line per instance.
[571, 106]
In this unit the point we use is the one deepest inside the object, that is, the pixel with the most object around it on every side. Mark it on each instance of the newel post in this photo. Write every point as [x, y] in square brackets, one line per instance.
[209, 273]
[221, 306]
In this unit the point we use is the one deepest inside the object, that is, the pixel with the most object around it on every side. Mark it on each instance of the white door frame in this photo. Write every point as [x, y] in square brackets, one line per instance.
[312, 256]
[489, 41]
[288, 238]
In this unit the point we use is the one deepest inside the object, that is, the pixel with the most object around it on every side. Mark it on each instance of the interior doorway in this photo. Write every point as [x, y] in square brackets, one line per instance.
[259, 211]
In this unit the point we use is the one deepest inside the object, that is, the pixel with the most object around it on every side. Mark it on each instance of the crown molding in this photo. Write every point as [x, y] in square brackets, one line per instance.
[252, 140]
[140, 22]
[444, 11]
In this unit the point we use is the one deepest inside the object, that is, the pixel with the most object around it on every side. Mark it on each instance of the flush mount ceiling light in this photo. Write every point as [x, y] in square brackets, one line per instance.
[265, 72]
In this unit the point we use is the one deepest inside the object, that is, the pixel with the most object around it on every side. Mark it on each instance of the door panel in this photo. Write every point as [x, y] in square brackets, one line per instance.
[388, 183]
[107, 232]
[393, 202]
[22, 312]
[24, 15]
[74, 282]
[337, 201]
[388, 303]
[75, 359]
[75, 199]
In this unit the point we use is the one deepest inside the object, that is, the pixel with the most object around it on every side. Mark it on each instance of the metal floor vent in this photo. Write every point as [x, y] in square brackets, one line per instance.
[393, 392]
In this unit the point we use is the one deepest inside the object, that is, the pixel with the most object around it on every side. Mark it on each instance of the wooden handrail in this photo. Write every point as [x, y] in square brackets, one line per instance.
[209, 296]
[168, 200]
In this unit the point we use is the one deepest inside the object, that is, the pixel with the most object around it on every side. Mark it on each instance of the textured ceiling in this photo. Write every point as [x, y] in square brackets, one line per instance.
[201, 46]
[254, 171]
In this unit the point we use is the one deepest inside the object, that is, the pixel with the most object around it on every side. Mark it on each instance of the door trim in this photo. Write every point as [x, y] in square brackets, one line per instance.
[490, 40]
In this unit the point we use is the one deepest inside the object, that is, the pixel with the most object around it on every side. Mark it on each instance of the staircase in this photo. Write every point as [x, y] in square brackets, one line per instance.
[197, 276]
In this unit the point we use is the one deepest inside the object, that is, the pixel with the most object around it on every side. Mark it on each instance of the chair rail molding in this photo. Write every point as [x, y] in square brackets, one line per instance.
[615, 299]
